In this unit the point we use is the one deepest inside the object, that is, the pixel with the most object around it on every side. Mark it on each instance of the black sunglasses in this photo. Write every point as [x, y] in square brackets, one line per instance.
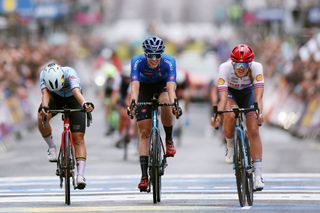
[153, 55]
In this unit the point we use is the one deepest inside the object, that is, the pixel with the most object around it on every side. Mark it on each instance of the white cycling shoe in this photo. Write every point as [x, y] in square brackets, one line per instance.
[229, 155]
[81, 182]
[258, 183]
[52, 154]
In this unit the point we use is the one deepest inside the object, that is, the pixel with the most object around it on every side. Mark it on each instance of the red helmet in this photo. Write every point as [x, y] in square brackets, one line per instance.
[242, 53]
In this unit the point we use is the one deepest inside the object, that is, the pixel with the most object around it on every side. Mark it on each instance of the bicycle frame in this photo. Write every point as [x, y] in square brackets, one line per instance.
[242, 156]
[157, 161]
[66, 158]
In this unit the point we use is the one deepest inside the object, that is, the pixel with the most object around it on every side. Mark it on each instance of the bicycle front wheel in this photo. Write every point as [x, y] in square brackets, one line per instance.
[155, 174]
[249, 170]
[67, 167]
[239, 170]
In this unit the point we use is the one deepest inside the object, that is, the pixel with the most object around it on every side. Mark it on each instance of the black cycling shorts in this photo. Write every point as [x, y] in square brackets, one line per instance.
[146, 92]
[77, 119]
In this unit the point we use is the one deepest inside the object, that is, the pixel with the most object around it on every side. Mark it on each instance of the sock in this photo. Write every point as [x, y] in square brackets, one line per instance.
[168, 130]
[81, 165]
[229, 143]
[144, 165]
[49, 141]
[257, 165]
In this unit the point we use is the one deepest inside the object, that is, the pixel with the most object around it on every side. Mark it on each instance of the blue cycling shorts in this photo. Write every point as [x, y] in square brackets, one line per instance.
[244, 98]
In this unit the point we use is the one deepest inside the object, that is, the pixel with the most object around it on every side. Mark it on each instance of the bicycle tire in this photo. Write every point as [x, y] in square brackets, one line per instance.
[160, 148]
[155, 166]
[239, 170]
[249, 175]
[67, 167]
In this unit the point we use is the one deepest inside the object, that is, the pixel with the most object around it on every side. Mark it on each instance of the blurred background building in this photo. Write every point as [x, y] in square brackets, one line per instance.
[200, 34]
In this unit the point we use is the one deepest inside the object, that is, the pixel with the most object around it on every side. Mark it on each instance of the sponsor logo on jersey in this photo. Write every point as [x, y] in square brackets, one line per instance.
[221, 81]
[259, 77]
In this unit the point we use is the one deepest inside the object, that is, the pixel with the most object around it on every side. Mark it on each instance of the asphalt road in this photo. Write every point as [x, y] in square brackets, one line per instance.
[196, 179]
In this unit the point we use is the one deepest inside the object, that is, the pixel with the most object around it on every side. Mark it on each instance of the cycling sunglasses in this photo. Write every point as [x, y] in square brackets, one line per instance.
[153, 55]
[240, 65]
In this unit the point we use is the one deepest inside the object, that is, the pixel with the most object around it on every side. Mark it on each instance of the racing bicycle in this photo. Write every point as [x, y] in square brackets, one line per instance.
[66, 161]
[242, 156]
[157, 157]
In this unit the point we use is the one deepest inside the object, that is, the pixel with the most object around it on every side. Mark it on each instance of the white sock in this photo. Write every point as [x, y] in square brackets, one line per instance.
[229, 143]
[81, 165]
[49, 141]
[257, 165]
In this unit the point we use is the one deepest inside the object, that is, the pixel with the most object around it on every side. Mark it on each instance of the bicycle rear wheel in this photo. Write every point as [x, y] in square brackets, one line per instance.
[67, 167]
[239, 170]
[249, 170]
[155, 167]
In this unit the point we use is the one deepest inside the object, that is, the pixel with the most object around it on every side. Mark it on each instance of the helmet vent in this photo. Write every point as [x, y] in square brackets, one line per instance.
[51, 85]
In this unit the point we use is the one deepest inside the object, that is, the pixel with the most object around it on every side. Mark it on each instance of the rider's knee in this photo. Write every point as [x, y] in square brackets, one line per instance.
[145, 133]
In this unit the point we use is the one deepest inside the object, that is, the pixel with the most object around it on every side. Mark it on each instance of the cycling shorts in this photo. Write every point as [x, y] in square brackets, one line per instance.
[77, 119]
[146, 92]
[244, 98]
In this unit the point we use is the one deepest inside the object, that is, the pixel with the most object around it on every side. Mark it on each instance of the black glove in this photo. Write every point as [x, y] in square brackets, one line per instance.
[176, 109]
[85, 105]
[44, 109]
[131, 110]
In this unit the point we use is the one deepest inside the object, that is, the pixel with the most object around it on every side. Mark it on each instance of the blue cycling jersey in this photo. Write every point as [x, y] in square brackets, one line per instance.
[71, 81]
[140, 71]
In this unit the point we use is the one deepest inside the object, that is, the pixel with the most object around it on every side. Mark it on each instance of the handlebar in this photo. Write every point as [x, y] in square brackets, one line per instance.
[67, 111]
[154, 103]
[236, 110]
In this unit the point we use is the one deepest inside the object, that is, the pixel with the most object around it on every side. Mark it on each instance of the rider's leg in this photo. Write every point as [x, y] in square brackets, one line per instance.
[46, 133]
[81, 156]
[166, 115]
[228, 127]
[255, 141]
[167, 121]
[256, 149]
[144, 137]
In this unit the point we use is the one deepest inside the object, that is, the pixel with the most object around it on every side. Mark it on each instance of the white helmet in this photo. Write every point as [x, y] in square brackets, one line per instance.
[53, 76]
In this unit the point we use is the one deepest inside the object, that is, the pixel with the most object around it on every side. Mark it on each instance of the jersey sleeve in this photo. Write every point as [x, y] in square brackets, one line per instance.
[222, 81]
[73, 79]
[257, 71]
[135, 75]
[171, 62]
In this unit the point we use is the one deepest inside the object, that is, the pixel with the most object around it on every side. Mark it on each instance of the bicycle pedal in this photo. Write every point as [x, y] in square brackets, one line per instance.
[169, 156]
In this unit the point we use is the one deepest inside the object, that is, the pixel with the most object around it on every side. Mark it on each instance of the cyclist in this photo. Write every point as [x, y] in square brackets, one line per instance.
[123, 102]
[241, 83]
[153, 72]
[60, 87]
[111, 89]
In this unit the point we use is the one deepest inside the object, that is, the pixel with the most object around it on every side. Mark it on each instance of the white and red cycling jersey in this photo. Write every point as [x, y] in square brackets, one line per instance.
[228, 78]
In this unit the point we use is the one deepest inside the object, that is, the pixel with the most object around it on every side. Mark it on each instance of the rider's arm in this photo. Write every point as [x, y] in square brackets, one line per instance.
[171, 88]
[258, 94]
[258, 84]
[223, 100]
[78, 96]
[45, 97]
[135, 85]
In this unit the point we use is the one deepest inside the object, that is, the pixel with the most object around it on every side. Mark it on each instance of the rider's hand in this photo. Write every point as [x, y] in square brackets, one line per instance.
[260, 119]
[215, 121]
[177, 111]
[88, 106]
[131, 110]
[44, 110]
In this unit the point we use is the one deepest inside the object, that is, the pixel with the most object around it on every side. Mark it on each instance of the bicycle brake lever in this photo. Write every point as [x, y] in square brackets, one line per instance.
[89, 118]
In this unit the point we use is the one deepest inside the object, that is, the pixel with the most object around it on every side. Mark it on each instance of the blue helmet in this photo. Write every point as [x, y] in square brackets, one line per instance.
[153, 44]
